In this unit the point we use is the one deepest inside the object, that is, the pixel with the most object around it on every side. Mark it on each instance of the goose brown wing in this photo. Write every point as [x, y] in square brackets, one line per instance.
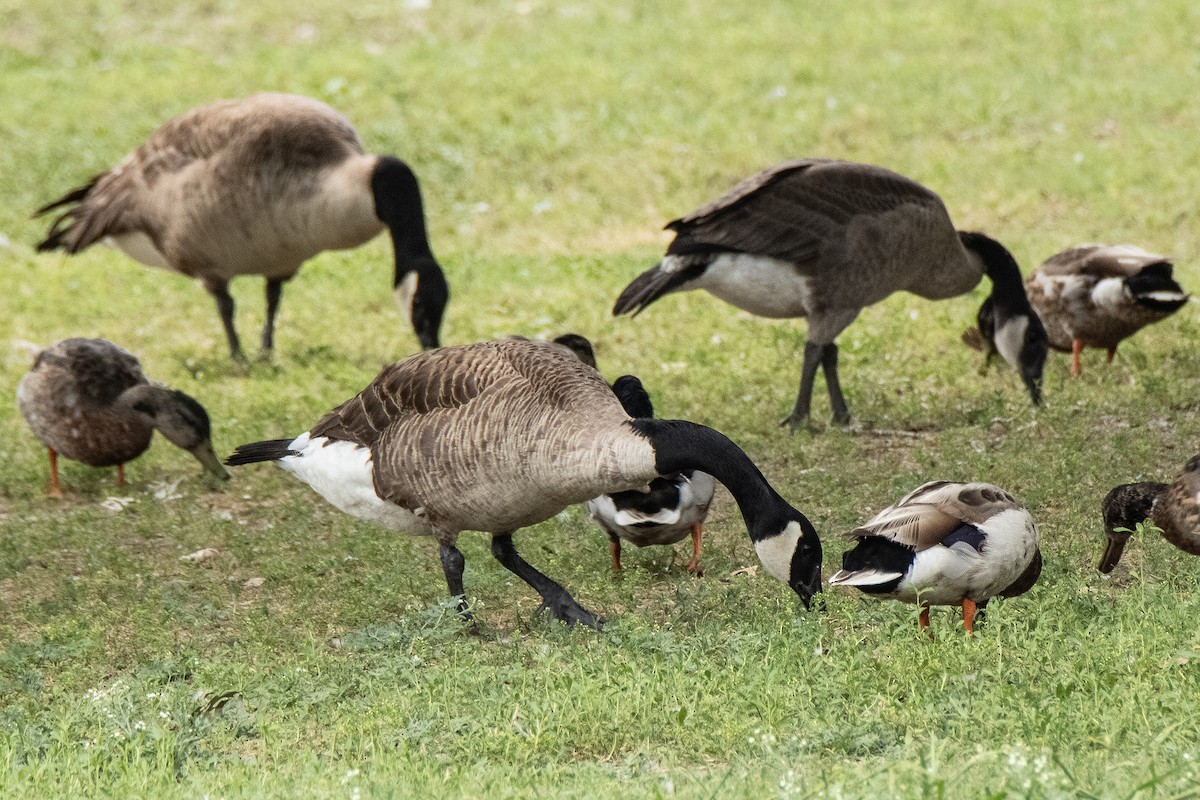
[446, 378]
[794, 210]
[261, 139]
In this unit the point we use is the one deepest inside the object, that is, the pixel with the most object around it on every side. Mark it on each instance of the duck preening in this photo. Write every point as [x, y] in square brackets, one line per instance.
[500, 435]
[1174, 508]
[945, 544]
[672, 508]
[256, 186]
[823, 239]
[88, 400]
[1099, 295]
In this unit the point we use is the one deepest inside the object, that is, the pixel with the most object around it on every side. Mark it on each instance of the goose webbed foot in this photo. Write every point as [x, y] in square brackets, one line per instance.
[555, 598]
[563, 608]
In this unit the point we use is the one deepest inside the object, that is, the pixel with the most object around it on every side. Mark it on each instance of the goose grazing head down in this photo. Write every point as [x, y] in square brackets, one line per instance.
[1174, 509]
[500, 435]
[823, 239]
[945, 544]
[671, 508]
[1099, 295]
[88, 400]
[256, 186]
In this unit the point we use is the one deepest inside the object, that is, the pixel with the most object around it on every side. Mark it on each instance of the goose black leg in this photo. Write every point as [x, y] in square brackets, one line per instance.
[829, 359]
[274, 292]
[219, 289]
[453, 564]
[812, 359]
[555, 598]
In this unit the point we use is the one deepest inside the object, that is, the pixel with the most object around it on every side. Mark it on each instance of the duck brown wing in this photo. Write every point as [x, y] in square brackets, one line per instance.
[933, 511]
[795, 210]
[1178, 511]
[1101, 261]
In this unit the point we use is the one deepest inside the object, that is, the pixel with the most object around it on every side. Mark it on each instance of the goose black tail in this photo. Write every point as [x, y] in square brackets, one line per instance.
[270, 450]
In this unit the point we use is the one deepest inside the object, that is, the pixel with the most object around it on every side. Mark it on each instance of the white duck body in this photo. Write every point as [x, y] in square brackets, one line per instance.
[944, 544]
[660, 523]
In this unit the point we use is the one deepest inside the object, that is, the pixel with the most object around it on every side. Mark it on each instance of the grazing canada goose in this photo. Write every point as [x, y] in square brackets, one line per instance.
[256, 186]
[89, 401]
[945, 544]
[1099, 295]
[1174, 508]
[823, 239]
[501, 435]
[675, 505]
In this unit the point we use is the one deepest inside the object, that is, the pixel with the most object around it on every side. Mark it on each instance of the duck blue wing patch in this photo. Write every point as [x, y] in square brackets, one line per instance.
[967, 534]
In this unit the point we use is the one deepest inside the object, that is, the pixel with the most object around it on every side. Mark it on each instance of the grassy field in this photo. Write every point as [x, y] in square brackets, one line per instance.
[317, 656]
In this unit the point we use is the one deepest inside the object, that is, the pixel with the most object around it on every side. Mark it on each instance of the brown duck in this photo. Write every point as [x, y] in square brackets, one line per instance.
[1099, 295]
[88, 400]
[1173, 507]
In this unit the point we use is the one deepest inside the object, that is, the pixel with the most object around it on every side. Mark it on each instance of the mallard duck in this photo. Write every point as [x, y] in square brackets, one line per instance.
[88, 400]
[1174, 508]
[945, 544]
[1099, 295]
[824, 239]
[673, 507]
[256, 186]
[500, 435]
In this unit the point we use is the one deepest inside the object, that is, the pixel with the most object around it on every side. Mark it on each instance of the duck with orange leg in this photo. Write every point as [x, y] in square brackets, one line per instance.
[88, 400]
[945, 544]
[1099, 295]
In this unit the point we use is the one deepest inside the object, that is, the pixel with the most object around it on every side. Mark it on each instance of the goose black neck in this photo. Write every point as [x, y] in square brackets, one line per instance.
[1008, 287]
[680, 445]
[633, 396]
[398, 205]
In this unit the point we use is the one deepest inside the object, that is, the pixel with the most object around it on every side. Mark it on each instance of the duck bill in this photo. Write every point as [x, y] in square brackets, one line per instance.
[208, 459]
[1112, 554]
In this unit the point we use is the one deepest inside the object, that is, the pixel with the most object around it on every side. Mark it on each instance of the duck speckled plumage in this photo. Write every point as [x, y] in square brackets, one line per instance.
[88, 400]
[945, 544]
[823, 239]
[1174, 508]
[1100, 295]
[256, 186]
[500, 435]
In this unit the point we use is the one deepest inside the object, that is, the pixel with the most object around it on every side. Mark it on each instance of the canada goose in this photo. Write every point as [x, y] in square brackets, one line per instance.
[945, 544]
[256, 186]
[673, 507]
[500, 435]
[1174, 508]
[823, 239]
[1098, 295]
[89, 401]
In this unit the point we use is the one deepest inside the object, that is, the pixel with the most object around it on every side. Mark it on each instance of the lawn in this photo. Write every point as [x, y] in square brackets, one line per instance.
[317, 656]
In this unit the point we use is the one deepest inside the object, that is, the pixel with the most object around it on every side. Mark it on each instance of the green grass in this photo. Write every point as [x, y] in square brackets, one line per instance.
[553, 141]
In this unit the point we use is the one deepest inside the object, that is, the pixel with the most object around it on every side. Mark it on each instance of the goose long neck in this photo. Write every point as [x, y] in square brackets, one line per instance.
[1008, 288]
[398, 206]
[680, 445]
